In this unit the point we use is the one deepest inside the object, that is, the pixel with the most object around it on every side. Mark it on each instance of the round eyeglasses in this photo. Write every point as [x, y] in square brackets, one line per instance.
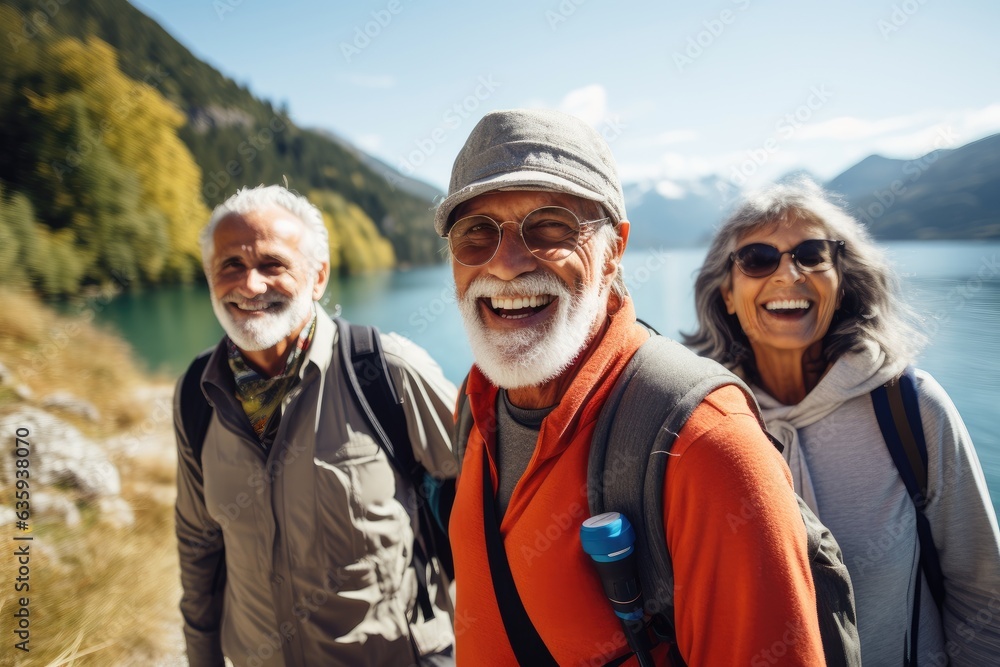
[759, 260]
[550, 233]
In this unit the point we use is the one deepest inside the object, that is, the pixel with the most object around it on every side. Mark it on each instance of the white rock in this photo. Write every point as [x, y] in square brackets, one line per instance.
[116, 512]
[59, 455]
[67, 402]
[53, 505]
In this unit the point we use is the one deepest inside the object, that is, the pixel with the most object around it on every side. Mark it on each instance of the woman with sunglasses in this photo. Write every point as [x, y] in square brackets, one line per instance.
[798, 300]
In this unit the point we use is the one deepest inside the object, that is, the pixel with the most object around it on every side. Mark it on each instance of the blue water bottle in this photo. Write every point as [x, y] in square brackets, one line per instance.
[609, 540]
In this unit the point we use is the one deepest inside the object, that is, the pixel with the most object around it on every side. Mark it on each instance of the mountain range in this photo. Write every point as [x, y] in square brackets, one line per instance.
[945, 194]
[122, 211]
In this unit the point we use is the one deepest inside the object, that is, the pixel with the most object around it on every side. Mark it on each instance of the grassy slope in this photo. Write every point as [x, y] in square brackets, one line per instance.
[100, 594]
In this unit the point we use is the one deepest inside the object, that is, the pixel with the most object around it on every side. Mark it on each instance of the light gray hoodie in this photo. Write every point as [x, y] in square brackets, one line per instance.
[842, 467]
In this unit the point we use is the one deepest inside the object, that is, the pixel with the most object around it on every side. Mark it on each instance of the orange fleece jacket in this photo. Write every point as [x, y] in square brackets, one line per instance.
[744, 593]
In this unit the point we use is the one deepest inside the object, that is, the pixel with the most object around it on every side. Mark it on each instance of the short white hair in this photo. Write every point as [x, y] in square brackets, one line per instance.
[315, 243]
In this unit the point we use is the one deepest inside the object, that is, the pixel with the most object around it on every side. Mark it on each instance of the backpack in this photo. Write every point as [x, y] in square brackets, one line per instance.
[659, 389]
[898, 413]
[377, 396]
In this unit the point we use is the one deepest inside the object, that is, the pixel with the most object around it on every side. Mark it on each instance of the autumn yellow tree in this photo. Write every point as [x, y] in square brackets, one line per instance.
[356, 245]
[138, 127]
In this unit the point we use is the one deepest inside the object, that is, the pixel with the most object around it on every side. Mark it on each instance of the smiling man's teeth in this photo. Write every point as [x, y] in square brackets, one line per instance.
[787, 304]
[254, 305]
[516, 303]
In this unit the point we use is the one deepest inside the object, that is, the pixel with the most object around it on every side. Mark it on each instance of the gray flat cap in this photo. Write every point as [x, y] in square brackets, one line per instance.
[532, 149]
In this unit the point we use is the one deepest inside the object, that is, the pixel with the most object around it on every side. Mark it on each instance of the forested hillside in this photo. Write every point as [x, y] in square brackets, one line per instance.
[117, 141]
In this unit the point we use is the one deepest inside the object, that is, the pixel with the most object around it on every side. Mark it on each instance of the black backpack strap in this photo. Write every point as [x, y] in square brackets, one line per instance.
[382, 404]
[369, 375]
[528, 646]
[463, 423]
[196, 412]
[655, 395]
[897, 409]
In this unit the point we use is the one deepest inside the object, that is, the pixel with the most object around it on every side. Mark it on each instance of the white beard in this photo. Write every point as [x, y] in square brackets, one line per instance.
[530, 357]
[256, 333]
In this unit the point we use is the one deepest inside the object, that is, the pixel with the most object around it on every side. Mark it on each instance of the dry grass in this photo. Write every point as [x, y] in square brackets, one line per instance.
[48, 352]
[100, 594]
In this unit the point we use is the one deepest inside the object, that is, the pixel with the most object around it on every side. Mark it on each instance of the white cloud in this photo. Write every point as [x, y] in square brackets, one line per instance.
[906, 136]
[916, 143]
[675, 168]
[589, 104]
[369, 80]
[982, 122]
[638, 172]
[680, 167]
[846, 128]
[825, 148]
[669, 189]
[950, 130]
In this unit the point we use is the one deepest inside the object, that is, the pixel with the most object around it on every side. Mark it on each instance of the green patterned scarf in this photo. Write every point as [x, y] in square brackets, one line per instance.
[259, 395]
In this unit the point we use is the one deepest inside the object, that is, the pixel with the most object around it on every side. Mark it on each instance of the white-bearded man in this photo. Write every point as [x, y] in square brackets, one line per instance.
[536, 224]
[296, 533]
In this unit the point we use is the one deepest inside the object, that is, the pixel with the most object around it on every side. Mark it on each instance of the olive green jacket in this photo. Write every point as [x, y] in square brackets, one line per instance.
[309, 544]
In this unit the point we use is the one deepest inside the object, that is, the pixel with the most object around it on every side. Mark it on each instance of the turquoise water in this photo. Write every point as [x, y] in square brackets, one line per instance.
[954, 285]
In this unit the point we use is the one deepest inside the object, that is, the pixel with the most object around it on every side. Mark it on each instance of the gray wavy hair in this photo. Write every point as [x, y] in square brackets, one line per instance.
[315, 243]
[871, 309]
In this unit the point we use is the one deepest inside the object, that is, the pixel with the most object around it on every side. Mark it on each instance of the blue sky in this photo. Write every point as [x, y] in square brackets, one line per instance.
[745, 89]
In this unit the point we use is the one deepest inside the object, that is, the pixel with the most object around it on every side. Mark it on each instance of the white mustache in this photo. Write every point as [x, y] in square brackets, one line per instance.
[531, 283]
[257, 300]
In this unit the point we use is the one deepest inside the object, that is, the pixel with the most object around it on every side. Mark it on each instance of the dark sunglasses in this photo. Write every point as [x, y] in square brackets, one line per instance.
[759, 260]
[550, 233]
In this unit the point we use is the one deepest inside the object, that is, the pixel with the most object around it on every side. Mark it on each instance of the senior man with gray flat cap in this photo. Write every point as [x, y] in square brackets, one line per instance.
[535, 220]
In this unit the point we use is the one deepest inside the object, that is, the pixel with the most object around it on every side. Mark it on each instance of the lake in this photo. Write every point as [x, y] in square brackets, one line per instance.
[955, 286]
